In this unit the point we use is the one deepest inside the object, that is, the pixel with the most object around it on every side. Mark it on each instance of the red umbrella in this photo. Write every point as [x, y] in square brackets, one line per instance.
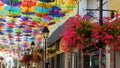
[28, 3]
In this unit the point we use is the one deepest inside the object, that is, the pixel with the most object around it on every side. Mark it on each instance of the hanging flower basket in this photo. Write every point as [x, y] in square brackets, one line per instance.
[81, 33]
[26, 59]
[110, 33]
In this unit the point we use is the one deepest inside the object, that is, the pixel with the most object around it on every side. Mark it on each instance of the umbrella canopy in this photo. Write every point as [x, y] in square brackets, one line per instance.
[12, 2]
[47, 0]
[21, 21]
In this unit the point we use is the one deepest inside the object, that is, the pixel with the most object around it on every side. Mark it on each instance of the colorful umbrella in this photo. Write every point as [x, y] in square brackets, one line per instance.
[26, 9]
[55, 12]
[27, 30]
[41, 9]
[8, 29]
[2, 20]
[1, 4]
[18, 30]
[47, 0]
[11, 24]
[12, 2]
[32, 23]
[44, 5]
[28, 3]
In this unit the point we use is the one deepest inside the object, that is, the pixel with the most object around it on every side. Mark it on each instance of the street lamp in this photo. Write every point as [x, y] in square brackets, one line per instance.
[45, 32]
[32, 45]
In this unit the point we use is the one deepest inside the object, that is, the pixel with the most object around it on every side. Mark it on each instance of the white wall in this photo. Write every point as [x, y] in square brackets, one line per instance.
[91, 4]
[82, 7]
[105, 6]
[117, 59]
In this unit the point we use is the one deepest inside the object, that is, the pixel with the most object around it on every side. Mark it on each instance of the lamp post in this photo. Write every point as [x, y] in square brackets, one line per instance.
[45, 32]
[32, 47]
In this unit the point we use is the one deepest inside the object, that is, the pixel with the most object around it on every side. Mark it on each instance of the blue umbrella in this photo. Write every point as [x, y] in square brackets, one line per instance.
[12, 9]
[29, 13]
[2, 33]
[12, 2]
[15, 16]
[41, 9]
[47, 0]
[2, 20]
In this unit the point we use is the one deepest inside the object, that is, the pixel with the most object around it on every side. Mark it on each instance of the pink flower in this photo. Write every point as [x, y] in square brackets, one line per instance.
[109, 37]
[80, 25]
[78, 37]
[108, 41]
[76, 33]
[87, 39]
[96, 24]
[118, 27]
[80, 46]
[105, 29]
[118, 37]
[116, 15]
[83, 34]
[91, 44]
[106, 18]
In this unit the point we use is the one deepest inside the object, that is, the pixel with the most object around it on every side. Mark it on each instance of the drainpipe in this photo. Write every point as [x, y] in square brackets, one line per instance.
[101, 12]
[101, 23]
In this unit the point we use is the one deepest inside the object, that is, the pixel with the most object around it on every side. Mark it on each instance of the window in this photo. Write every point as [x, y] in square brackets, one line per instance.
[57, 46]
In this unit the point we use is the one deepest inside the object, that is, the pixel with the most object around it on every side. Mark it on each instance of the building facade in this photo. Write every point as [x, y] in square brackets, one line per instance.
[82, 59]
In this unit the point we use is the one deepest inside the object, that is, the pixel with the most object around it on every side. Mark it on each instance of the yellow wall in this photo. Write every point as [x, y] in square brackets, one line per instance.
[114, 5]
[54, 54]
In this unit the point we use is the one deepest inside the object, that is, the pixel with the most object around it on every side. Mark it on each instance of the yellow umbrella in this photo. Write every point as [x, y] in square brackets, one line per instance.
[36, 28]
[39, 36]
[26, 9]
[44, 23]
[1, 8]
[1, 27]
[44, 5]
